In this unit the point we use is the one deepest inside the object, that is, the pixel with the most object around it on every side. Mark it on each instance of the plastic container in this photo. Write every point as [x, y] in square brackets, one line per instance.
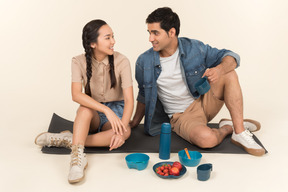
[204, 171]
[165, 141]
[194, 155]
[137, 161]
[182, 172]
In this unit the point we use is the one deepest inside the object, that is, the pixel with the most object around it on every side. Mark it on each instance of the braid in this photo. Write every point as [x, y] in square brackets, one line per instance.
[88, 55]
[111, 71]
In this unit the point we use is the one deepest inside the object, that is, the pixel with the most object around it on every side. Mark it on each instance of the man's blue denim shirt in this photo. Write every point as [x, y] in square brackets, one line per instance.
[195, 58]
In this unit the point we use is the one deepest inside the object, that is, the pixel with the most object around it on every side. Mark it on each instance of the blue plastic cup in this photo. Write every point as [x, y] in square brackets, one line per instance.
[204, 171]
[202, 86]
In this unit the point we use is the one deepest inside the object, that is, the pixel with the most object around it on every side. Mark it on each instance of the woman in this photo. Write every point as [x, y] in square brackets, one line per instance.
[107, 104]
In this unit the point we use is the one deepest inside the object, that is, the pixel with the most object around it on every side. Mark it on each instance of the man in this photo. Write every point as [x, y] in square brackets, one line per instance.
[166, 76]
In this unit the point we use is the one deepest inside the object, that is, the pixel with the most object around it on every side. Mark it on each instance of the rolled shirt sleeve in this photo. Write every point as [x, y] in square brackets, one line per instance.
[76, 74]
[235, 55]
[214, 56]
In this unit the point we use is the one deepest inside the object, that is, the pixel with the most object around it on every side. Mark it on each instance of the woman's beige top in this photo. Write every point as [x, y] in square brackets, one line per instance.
[100, 82]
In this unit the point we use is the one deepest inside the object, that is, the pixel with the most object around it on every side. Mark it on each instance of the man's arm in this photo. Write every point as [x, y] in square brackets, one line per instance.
[228, 64]
[139, 114]
[140, 108]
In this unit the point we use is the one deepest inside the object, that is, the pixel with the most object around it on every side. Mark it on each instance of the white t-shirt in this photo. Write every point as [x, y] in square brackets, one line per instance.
[172, 90]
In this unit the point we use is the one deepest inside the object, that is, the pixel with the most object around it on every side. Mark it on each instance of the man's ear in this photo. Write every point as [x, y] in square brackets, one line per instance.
[172, 32]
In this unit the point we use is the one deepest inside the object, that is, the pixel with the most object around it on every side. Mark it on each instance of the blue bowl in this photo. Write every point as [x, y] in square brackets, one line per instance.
[195, 158]
[182, 172]
[137, 161]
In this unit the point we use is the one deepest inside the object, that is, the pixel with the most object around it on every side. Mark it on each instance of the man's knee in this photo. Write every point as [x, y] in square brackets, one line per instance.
[204, 139]
[231, 77]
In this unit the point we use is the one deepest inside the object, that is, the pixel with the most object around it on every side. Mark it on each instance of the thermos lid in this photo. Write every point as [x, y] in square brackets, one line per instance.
[165, 128]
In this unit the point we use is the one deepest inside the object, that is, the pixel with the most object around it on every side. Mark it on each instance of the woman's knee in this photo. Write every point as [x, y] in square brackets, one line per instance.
[87, 112]
[127, 134]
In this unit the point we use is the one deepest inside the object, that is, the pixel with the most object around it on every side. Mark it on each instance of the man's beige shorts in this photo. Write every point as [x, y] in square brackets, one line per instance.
[199, 113]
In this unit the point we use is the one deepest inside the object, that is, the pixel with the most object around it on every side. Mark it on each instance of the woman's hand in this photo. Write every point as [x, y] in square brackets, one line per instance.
[116, 141]
[116, 123]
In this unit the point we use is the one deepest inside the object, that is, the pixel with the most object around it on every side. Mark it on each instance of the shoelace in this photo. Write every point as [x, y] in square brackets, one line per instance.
[76, 157]
[246, 126]
[248, 137]
[60, 142]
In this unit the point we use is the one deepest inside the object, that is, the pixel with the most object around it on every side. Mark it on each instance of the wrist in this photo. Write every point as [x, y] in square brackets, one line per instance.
[105, 109]
[220, 67]
[125, 123]
[134, 123]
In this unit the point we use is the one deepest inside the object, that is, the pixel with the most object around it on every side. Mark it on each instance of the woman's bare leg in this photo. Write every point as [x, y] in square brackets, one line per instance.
[85, 119]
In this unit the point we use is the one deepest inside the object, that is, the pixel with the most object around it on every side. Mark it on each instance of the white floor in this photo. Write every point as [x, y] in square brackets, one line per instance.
[25, 168]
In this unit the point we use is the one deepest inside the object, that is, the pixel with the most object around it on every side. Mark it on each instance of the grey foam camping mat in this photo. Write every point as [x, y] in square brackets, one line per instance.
[142, 143]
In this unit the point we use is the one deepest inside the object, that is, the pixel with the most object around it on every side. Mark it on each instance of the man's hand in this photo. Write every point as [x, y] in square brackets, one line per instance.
[228, 64]
[139, 114]
[133, 124]
[213, 74]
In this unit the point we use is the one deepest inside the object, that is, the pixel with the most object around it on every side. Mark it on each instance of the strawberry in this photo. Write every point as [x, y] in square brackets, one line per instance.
[178, 165]
[174, 171]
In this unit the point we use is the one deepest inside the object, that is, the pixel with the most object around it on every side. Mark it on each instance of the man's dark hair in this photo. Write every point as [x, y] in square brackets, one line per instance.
[167, 19]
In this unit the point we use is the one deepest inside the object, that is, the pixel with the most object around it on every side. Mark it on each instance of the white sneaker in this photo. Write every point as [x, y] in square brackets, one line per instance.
[245, 140]
[63, 139]
[249, 124]
[78, 164]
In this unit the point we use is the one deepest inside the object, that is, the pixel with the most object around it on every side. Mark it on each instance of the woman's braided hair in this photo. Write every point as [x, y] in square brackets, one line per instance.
[89, 35]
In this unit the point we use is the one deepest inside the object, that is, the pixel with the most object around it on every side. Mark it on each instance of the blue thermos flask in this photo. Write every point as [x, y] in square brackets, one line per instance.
[165, 141]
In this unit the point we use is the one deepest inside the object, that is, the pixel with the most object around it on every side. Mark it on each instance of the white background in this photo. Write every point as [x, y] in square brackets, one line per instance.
[39, 38]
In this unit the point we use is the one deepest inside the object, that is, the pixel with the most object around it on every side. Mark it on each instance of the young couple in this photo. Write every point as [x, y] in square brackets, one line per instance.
[166, 75]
